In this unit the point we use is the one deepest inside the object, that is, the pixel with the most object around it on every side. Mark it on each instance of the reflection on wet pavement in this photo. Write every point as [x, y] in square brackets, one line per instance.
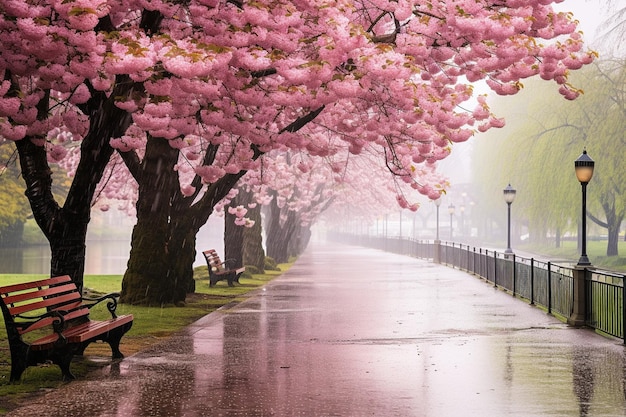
[352, 332]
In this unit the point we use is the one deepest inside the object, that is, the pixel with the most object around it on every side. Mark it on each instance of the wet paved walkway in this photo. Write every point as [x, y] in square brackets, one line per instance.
[357, 332]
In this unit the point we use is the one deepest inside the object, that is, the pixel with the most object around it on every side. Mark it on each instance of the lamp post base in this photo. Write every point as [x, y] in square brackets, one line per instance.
[579, 312]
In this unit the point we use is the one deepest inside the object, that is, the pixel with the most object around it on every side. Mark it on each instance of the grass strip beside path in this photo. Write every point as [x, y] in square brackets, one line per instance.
[150, 325]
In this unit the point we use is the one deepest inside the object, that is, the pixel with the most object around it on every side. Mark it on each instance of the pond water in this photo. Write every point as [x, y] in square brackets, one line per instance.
[107, 257]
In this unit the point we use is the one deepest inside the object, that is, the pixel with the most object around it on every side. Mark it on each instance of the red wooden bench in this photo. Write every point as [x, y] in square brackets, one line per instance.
[219, 270]
[48, 320]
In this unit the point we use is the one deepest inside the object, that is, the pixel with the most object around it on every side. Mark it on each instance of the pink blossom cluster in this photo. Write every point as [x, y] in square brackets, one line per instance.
[387, 80]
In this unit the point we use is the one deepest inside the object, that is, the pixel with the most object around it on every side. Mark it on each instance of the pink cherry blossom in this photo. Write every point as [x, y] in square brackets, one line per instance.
[379, 85]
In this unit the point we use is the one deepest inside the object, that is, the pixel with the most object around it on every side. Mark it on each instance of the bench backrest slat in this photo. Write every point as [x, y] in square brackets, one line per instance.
[39, 293]
[60, 302]
[23, 286]
[213, 259]
[58, 293]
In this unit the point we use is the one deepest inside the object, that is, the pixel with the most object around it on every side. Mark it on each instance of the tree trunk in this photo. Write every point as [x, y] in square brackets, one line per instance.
[612, 247]
[299, 241]
[160, 268]
[148, 278]
[279, 232]
[65, 228]
[253, 252]
[182, 254]
[294, 245]
[233, 236]
[612, 225]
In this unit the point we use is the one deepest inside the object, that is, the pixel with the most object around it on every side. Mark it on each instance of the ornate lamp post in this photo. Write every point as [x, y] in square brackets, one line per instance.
[584, 171]
[437, 203]
[451, 211]
[509, 196]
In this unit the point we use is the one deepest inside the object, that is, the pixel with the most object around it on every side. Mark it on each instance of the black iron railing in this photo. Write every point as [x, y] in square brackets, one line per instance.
[539, 282]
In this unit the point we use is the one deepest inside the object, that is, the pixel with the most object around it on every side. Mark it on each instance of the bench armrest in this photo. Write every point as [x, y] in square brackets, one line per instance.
[58, 322]
[111, 305]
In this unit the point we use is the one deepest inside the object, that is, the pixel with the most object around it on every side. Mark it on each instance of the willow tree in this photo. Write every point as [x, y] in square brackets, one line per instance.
[537, 154]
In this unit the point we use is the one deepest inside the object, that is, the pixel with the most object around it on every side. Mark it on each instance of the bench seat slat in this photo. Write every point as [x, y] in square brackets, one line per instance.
[228, 271]
[82, 332]
[86, 331]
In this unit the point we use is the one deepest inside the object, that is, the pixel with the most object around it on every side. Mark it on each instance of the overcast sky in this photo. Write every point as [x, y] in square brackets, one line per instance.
[588, 13]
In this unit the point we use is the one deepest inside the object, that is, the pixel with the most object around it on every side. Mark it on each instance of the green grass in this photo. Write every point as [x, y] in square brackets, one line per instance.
[596, 252]
[150, 325]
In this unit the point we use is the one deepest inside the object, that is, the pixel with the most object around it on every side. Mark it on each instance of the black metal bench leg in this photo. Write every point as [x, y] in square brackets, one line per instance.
[18, 366]
[19, 360]
[63, 359]
[113, 339]
[214, 279]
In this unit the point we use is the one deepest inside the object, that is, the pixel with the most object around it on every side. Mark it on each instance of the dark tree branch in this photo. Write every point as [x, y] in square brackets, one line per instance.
[302, 121]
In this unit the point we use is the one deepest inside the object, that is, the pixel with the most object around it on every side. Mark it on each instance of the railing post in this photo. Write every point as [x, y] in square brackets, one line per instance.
[532, 281]
[579, 311]
[624, 308]
[514, 276]
[549, 287]
[495, 269]
[453, 255]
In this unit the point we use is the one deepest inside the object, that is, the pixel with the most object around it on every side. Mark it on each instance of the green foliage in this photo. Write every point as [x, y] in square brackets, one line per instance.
[14, 208]
[535, 152]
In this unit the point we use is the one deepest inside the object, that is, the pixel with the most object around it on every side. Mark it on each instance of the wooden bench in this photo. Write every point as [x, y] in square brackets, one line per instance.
[48, 320]
[219, 270]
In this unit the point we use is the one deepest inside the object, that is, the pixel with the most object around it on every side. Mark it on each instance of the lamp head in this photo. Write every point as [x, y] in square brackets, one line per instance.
[509, 194]
[583, 167]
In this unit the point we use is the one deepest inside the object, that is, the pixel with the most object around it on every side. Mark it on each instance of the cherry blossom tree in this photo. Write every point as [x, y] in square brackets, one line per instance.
[296, 189]
[291, 191]
[192, 94]
[299, 190]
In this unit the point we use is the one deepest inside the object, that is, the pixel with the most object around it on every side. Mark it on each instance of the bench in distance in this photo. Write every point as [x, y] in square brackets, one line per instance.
[219, 270]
